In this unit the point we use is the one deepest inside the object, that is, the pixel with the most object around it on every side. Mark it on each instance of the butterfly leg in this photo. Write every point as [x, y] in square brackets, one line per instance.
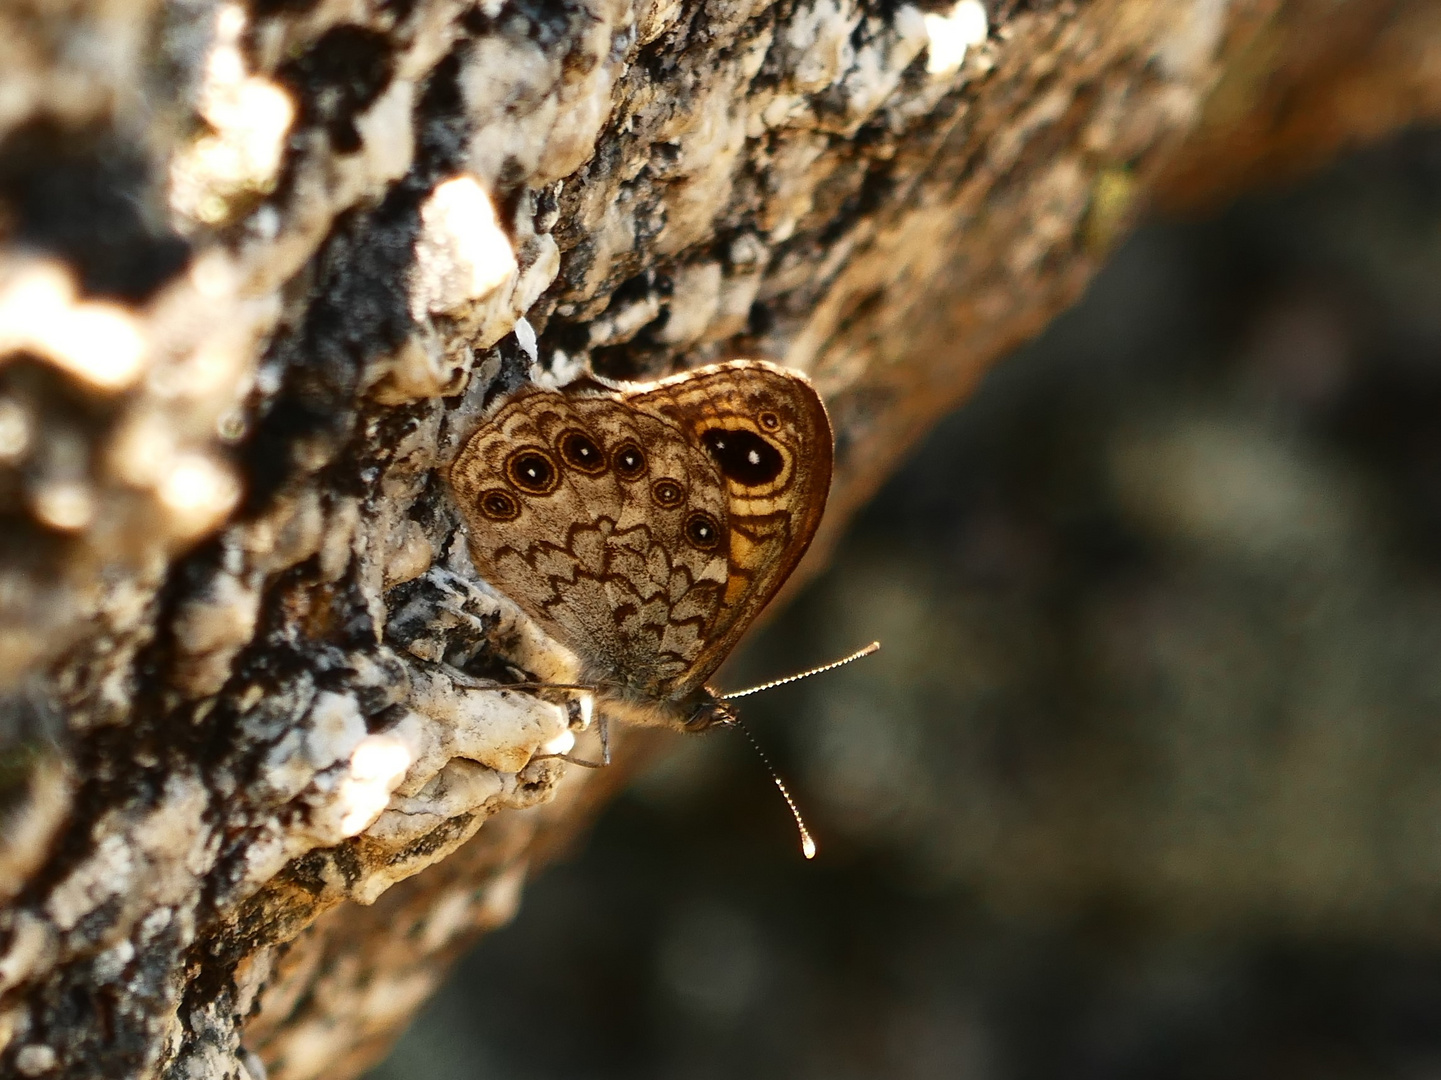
[604, 730]
[470, 682]
[573, 760]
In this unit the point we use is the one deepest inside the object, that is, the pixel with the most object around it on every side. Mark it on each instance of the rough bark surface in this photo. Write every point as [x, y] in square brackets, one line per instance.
[261, 267]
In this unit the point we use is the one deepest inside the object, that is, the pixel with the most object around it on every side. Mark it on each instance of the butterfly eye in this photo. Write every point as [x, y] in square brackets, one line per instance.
[499, 505]
[769, 420]
[702, 530]
[579, 451]
[743, 456]
[532, 471]
[667, 493]
[628, 461]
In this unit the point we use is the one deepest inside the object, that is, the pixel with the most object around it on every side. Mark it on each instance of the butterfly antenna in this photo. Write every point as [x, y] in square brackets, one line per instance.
[872, 647]
[808, 844]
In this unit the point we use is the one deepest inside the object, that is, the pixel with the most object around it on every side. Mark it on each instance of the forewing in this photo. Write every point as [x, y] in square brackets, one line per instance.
[621, 554]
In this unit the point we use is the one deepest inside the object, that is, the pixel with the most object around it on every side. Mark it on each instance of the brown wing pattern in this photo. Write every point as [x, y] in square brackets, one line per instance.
[645, 527]
[603, 524]
[767, 431]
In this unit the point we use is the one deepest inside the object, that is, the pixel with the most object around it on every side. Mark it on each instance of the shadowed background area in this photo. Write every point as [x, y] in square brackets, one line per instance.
[1146, 781]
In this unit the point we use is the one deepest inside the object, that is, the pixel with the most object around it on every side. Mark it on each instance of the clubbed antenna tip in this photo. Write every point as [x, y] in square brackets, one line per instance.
[808, 843]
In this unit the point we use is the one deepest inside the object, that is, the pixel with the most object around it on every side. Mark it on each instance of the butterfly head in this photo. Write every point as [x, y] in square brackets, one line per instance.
[709, 711]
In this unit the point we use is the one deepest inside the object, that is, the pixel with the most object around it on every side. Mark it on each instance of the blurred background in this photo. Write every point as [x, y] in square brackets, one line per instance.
[1146, 781]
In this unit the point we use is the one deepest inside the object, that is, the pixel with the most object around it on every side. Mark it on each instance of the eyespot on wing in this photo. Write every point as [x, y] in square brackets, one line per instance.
[743, 456]
[628, 460]
[580, 452]
[532, 470]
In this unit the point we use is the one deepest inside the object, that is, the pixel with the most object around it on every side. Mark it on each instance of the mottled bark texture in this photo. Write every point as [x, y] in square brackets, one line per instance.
[262, 265]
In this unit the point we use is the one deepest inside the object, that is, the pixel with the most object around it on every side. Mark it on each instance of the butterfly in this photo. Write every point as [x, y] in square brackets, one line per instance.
[645, 525]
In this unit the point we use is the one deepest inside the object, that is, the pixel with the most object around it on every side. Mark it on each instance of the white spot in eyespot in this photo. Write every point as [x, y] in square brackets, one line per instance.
[754, 457]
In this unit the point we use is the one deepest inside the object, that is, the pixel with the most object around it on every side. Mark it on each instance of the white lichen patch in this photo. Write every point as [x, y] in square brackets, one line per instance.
[707, 131]
[292, 530]
[411, 555]
[694, 300]
[462, 787]
[286, 770]
[655, 17]
[269, 849]
[167, 848]
[562, 744]
[540, 115]
[952, 34]
[107, 872]
[28, 828]
[342, 530]
[41, 313]
[1195, 35]
[619, 326]
[197, 490]
[109, 964]
[516, 80]
[249, 118]
[382, 153]
[32, 945]
[818, 40]
[377, 765]
[887, 47]
[334, 729]
[211, 629]
[175, 835]
[502, 729]
[466, 267]
[538, 259]
[452, 757]
[63, 504]
[251, 975]
[37, 1059]
[462, 254]
[17, 429]
[418, 370]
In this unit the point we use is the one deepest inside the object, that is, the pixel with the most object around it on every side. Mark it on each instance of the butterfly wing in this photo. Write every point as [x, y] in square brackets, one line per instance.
[766, 431]
[605, 526]
[646, 527]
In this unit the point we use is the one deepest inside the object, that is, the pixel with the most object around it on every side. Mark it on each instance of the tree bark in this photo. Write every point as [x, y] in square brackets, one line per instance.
[261, 268]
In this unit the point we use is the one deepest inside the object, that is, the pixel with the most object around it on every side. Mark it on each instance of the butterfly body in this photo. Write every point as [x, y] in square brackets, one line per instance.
[645, 525]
